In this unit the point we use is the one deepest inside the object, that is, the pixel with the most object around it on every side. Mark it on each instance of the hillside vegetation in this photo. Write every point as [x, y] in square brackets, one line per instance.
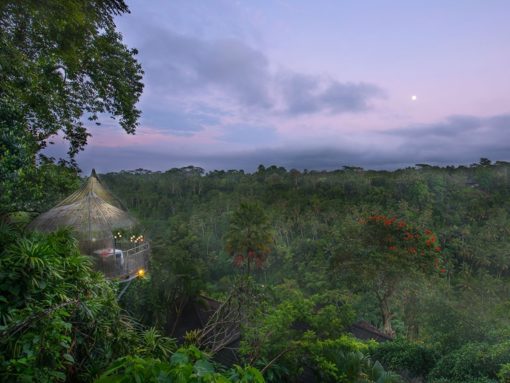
[290, 261]
[422, 253]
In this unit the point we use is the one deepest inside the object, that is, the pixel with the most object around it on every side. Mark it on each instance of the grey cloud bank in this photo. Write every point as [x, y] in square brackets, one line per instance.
[456, 137]
[177, 64]
[305, 94]
[457, 140]
[176, 122]
[183, 64]
[460, 126]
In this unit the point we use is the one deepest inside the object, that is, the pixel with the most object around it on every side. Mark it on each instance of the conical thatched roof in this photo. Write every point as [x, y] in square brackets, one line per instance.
[91, 211]
[93, 185]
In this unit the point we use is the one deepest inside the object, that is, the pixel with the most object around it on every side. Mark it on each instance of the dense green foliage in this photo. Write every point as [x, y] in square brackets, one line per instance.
[186, 365]
[422, 253]
[60, 62]
[449, 284]
[60, 320]
[307, 333]
[410, 358]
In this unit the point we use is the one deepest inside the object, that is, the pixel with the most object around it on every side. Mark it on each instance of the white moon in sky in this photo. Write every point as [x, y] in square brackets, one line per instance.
[414, 98]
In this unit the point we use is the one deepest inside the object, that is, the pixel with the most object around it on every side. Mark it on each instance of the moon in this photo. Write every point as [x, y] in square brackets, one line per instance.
[414, 98]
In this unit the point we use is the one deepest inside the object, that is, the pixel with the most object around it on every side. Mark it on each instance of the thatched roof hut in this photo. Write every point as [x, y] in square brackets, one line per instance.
[92, 211]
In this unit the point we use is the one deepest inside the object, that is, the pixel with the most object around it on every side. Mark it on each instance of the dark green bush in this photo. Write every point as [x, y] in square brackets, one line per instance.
[405, 356]
[504, 373]
[473, 362]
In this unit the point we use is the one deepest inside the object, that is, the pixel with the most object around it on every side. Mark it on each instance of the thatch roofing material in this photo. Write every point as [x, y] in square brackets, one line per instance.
[91, 211]
[93, 185]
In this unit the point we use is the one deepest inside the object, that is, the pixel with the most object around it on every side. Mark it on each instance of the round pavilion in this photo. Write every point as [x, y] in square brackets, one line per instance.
[105, 231]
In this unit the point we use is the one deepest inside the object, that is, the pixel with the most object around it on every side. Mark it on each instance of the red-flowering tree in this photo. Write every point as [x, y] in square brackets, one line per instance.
[385, 253]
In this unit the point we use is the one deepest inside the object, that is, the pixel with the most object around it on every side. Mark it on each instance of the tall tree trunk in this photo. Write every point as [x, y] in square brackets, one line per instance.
[386, 314]
[386, 317]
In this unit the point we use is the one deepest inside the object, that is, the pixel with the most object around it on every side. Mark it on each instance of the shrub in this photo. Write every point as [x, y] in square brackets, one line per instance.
[346, 360]
[472, 362]
[504, 373]
[188, 364]
[406, 357]
[59, 320]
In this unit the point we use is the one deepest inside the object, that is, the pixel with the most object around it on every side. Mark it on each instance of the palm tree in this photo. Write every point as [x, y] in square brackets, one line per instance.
[249, 236]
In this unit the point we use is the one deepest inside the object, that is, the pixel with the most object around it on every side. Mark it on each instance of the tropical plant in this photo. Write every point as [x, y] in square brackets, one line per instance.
[186, 365]
[346, 360]
[59, 320]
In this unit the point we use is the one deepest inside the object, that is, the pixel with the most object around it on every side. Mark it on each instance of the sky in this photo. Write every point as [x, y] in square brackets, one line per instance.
[313, 85]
